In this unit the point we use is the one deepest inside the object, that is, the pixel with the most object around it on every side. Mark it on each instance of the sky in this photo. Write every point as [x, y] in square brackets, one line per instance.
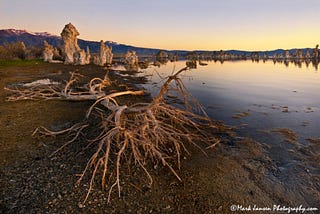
[174, 24]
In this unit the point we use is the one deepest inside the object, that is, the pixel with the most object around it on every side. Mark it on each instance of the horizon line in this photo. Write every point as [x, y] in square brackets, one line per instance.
[157, 48]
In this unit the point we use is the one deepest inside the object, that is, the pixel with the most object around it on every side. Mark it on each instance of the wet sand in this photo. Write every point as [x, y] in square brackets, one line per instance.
[239, 171]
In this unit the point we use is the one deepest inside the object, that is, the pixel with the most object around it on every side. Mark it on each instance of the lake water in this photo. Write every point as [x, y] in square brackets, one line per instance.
[271, 95]
[259, 99]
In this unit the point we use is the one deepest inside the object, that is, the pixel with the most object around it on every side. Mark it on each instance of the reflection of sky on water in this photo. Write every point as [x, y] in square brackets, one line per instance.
[274, 95]
[258, 99]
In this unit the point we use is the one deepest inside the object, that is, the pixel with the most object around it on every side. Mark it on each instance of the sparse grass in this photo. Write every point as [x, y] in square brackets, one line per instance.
[18, 62]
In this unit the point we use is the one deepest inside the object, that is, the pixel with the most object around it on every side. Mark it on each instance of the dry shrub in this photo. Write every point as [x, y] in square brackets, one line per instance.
[11, 51]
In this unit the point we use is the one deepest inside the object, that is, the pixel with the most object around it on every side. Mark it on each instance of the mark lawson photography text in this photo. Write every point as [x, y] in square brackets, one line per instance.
[274, 208]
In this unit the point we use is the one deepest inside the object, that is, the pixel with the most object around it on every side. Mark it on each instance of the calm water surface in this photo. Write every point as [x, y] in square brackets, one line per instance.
[273, 95]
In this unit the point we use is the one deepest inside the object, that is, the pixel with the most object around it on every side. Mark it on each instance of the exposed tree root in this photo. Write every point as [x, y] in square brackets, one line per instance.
[143, 132]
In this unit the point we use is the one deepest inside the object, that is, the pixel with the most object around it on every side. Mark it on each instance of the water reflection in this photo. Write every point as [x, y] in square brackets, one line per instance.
[226, 88]
[264, 100]
[297, 62]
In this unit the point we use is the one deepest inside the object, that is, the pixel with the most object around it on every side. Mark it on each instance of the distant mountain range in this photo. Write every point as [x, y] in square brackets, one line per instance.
[37, 39]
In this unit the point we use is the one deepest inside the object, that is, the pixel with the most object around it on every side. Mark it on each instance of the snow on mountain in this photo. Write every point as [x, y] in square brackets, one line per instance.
[20, 32]
[29, 38]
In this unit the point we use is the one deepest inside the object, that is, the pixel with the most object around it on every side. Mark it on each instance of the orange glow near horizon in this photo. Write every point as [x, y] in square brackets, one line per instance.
[269, 39]
[175, 25]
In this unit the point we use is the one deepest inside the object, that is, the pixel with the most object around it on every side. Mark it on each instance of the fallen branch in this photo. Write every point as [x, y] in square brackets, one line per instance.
[58, 92]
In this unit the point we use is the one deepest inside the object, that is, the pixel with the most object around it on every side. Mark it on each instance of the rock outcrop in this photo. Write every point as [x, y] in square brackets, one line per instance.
[308, 54]
[81, 57]
[287, 54]
[48, 52]
[56, 53]
[73, 54]
[316, 52]
[88, 56]
[162, 57]
[131, 58]
[105, 56]
[298, 54]
[70, 43]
